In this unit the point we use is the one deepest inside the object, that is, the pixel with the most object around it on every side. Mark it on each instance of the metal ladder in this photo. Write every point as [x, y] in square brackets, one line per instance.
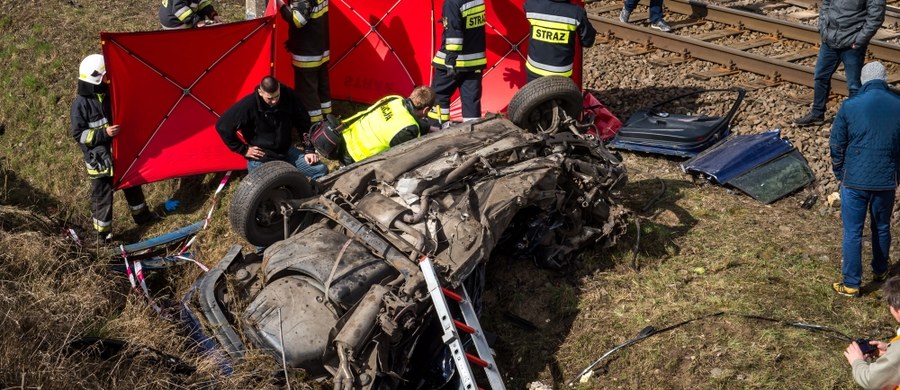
[452, 327]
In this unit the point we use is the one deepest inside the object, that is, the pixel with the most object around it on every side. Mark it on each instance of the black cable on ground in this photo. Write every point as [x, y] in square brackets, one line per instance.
[650, 331]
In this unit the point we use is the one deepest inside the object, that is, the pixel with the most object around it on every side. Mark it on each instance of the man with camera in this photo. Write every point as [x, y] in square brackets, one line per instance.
[884, 371]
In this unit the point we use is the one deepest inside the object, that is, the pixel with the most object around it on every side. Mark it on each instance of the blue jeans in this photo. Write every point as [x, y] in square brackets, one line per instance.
[827, 63]
[854, 205]
[295, 157]
[656, 10]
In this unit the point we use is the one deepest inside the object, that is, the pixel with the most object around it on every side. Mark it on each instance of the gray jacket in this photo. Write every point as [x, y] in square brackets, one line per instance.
[845, 22]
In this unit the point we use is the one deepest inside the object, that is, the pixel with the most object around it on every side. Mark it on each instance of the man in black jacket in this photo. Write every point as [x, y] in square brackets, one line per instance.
[260, 127]
[93, 130]
[555, 25]
[846, 27]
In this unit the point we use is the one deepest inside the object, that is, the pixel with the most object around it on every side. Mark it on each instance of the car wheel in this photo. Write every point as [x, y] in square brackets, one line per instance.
[531, 108]
[255, 213]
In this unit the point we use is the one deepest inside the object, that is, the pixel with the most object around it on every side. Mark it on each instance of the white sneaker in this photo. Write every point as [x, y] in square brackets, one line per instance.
[624, 15]
[661, 25]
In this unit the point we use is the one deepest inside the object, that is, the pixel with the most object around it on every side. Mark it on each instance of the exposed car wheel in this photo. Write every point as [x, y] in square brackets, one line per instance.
[255, 213]
[531, 108]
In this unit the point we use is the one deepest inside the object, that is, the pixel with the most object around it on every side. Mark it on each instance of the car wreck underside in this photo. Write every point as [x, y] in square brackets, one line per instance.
[339, 291]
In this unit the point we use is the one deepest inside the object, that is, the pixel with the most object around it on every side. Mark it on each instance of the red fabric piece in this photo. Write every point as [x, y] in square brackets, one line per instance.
[378, 48]
[170, 87]
[381, 48]
[606, 124]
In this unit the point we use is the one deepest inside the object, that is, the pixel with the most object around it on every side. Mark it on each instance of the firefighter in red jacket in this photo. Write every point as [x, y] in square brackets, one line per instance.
[180, 14]
[554, 26]
[460, 61]
[308, 44]
[93, 129]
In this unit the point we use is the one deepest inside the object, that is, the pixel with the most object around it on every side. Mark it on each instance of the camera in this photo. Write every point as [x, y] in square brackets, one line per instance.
[865, 347]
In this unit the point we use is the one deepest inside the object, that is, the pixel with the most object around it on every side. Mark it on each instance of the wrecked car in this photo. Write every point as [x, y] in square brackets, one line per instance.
[339, 291]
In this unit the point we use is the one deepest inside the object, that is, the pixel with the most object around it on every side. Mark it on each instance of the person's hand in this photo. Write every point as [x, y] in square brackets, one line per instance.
[882, 347]
[113, 130]
[311, 158]
[218, 19]
[853, 353]
[201, 23]
[451, 71]
[254, 153]
[853, 46]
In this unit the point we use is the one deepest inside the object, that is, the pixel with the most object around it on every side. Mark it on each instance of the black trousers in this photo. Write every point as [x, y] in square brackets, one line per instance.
[102, 204]
[313, 91]
[469, 85]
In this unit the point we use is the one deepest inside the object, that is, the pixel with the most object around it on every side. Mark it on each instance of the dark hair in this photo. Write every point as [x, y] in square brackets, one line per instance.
[269, 84]
[892, 292]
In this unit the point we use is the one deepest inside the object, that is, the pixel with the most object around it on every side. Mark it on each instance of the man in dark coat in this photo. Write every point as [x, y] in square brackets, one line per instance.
[846, 27]
[865, 157]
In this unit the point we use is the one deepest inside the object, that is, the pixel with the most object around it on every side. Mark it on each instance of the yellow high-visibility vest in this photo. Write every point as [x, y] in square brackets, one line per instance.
[371, 131]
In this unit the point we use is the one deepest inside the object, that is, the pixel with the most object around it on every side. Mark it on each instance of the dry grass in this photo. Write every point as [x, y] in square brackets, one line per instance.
[702, 250]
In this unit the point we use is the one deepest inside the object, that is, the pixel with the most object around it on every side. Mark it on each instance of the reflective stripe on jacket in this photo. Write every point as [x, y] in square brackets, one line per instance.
[309, 48]
[462, 42]
[174, 14]
[372, 130]
[90, 116]
[554, 27]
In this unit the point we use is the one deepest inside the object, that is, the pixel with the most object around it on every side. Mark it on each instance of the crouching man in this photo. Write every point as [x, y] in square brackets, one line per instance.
[884, 371]
[389, 122]
[260, 127]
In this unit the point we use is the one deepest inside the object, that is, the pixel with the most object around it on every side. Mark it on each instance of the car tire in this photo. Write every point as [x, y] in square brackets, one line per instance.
[254, 213]
[531, 107]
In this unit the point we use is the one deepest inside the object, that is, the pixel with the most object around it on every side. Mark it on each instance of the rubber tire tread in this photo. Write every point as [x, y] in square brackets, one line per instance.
[253, 191]
[543, 90]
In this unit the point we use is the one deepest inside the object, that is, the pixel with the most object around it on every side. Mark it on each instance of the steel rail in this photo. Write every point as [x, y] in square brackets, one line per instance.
[774, 68]
[764, 24]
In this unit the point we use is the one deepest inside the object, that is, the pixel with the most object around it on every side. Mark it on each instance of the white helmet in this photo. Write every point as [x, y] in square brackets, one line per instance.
[92, 69]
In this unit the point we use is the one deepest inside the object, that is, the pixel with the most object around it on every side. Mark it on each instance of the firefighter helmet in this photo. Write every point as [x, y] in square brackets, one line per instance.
[92, 69]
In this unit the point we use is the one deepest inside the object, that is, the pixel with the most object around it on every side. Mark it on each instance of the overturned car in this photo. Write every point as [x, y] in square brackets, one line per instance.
[339, 290]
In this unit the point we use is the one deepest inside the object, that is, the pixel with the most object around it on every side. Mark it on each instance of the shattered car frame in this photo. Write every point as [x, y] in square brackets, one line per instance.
[338, 291]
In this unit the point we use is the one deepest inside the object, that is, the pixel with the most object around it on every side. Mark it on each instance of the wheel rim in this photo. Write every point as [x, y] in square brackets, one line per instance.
[268, 213]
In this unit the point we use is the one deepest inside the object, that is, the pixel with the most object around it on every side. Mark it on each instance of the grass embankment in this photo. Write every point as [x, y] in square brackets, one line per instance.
[702, 250]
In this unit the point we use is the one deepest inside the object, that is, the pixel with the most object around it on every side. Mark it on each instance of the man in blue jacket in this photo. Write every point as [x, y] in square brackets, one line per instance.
[846, 27]
[865, 157]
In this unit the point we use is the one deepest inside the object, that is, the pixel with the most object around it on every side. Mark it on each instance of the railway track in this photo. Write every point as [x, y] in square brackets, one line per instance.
[723, 41]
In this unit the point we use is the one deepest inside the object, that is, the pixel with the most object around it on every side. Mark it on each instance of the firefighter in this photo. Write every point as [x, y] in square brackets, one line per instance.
[391, 121]
[460, 61]
[554, 26]
[308, 44]
[93, 130]
[180, 14]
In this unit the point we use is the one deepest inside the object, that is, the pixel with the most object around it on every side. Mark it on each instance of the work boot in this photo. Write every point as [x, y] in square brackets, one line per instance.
[624, 15]
[104, 238]
[810, 120]
[840, 288]
[880, 278]
[146, 218]
[661, 25]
